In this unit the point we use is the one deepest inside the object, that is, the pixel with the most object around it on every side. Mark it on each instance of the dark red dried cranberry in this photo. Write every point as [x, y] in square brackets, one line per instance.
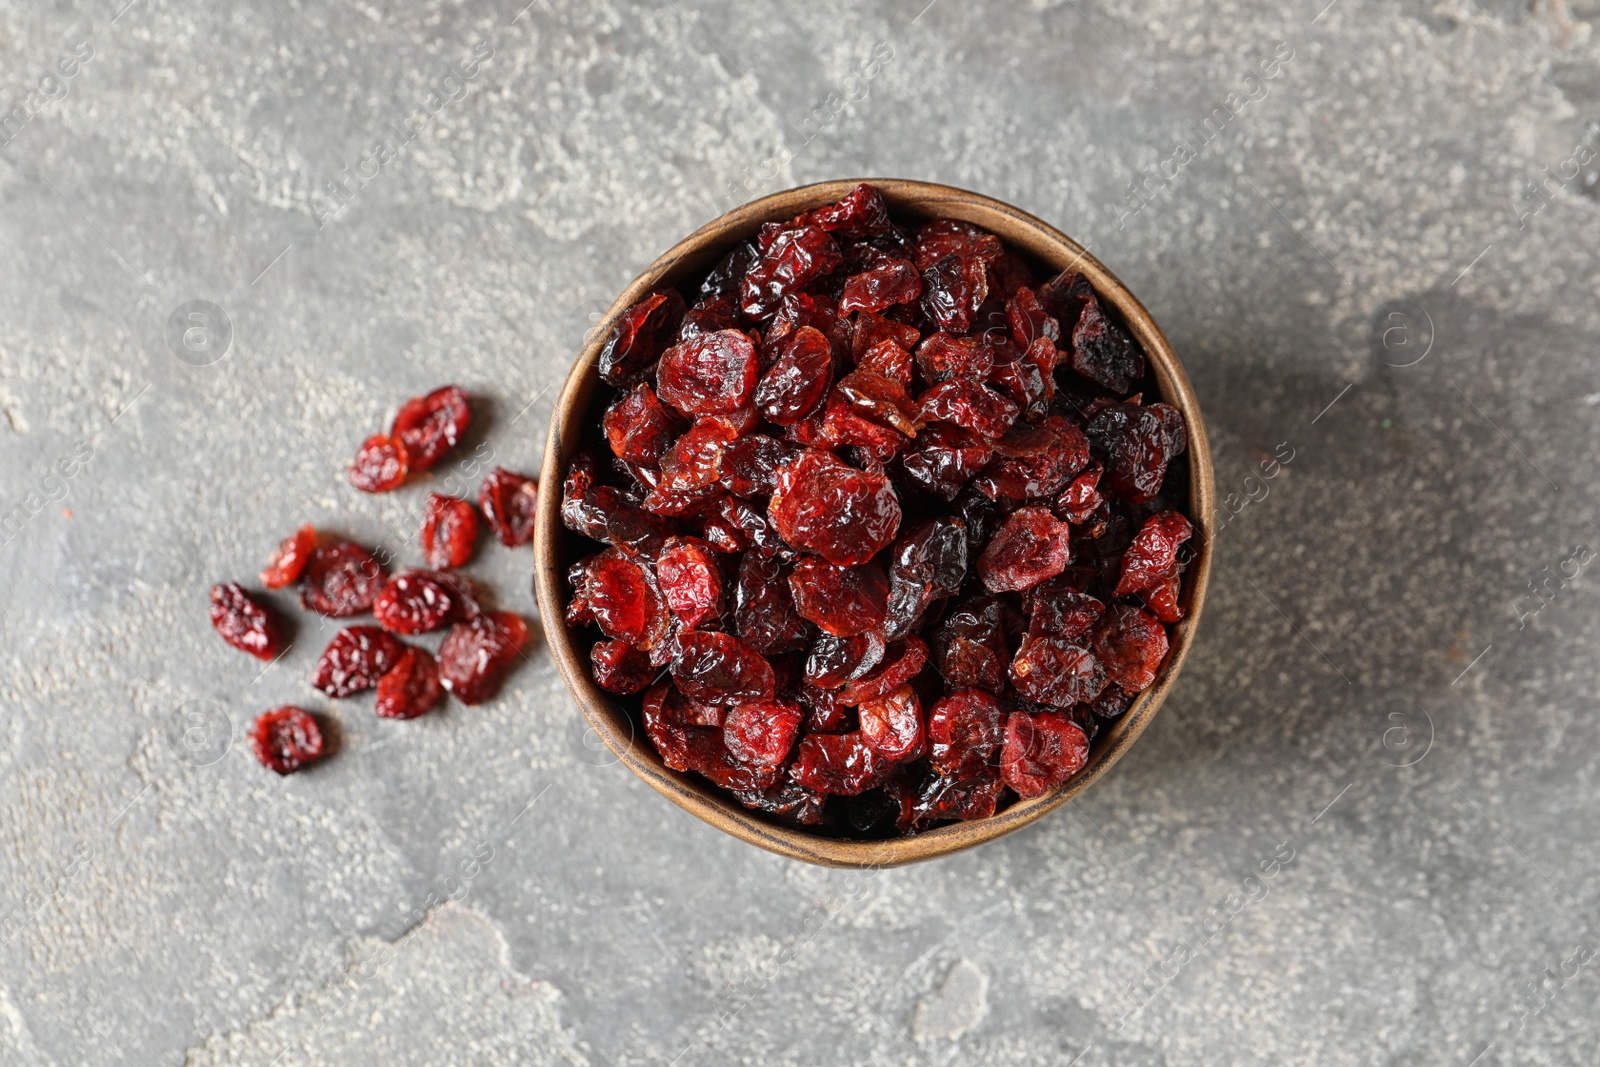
[626, 602]
[415, 602]
[1131, 644]
[1150, 566]
[838, 764]
[289, 559]
[286, 739]
[244, 622]
[764, 610]
[844, 601]
[1103, 352]
[797, 381]
[639, 427]
[1136, 443]
[720, 669]
[794, 259]
[429, 426]
[510, 503]
[639, 336]
[354, 660]
[892, 725]
[1041, 752]
[886, 282]
[712, 374]
[1057, 670]
[860, 214]
[927, 563]
[1030, 546]
[449, 531]
[833, 661]
[965, 730]
[901, 663]
[341, 579]
[380, 464]
[690, 579]
[411, 687]
[953, 289]
[761, 732]
[477, 654]
[842, 514]
[620, 668]
[970, 405]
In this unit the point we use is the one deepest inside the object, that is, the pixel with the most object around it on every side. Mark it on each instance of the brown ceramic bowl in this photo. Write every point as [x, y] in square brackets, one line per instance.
[577, 416]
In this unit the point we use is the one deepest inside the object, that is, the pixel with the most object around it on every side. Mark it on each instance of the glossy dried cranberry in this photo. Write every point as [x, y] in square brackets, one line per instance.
[618, 667]
[844, 601]
[974, 794]
[926, 563]
[354, 660]
[1041, 752]
[341, 579]
[695, 460]
[1081, 498]
[1151, 566]
[1136, 443]
[838, 764]
[892, 725]
[750, 465]
[625, 600]
[1057, 670]
[886, 282]
[860, 214]
[720, 669]
[244, 622]
[415, 602]
[787, 799]
[475, 655]
[411, 687]
[639, 427]
[939, 238]
[1056, 609]
[825, 506]
[1103, 352]
[690, 579]
[890, 360]
[969, 646]
[794, 259]
[953, 289]
[798, 379]
[1030, 546]
[945, 458]
[902, 662]
[639, 337]
[510, 503]
[965, 730]
[833, 661]
[286, 739]
[289, 559]
[764, 609]
[1028, 319]
[712, 374]
[449, 531]
[380, 464]
[943, 356]
[429, 426]
[970, 405]
[1131, 644]
[1042, 473]
[761, 732]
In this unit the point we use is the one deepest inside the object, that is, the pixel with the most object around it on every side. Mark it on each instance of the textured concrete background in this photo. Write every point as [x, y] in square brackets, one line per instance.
[1384, 260]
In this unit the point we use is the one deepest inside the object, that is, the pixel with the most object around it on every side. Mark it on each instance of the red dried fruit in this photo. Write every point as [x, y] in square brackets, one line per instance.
[1131, 644]
[1025, 376]
[970, 646]
[833, 661]
[892, 725]
[1103, 352]
[341, 579]
[429, 426]
[625, 600]
[964, 731]
[712, 374]
[972, 795]
[787, 799]
[880, 399]
[942, 356]
[411, 687]
[1058, 610]
[476, 655]
[1041, 752]
[509, 502]
[843, 514]
[354, 660]
[860, 214]
[926, 563]
[1045, 472]
[953, 289]
[286, 739]
[842, 765]
[289, 558]
[902, 662]
[798, 379]
[764, 610]
[1057, 670]
[380, 464]
[1028, 319]
[620, 668]
[750, 465]
[844, 601]
[1151, 566]
[720, 669]
[690, 579]
[639, 427]
[244, 622]
[639, 337]
[1064, 297]
[970, 405]
[1081, 499]
[946, 459]
[761, 732]
[887, 281]
[1030, 546]
[415, 602]
[1136, 443]
[939, 238]
[695, 460]
[794, 259]
[449, 531]
[891, 361]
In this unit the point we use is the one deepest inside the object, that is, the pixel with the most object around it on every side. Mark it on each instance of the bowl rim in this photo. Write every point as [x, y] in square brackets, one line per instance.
[1044, 244]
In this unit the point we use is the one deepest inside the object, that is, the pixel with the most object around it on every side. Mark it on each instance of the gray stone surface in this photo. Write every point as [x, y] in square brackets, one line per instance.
[1362, 697]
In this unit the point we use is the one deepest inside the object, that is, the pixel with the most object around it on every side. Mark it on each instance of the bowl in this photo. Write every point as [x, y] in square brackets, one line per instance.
[577, 416]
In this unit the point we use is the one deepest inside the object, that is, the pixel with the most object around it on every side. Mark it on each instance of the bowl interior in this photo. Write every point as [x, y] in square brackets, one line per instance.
[575, 425]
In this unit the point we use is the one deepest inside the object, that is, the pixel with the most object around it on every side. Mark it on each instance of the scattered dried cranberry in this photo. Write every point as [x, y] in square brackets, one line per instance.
[354, 660]
[380, 464]
[411, 687]
[286, 739]
[690, 579]
[289, 559]
[429, 426]
[415, 602]
[509, 502]
[244, 622]
[449, 531]
[341, 579]
[476, 655]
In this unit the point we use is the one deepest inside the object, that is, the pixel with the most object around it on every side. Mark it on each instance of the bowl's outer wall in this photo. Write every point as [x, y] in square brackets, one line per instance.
[554, 547]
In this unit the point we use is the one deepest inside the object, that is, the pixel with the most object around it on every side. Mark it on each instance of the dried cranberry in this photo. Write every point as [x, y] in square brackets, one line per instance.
[787, 799]
[1103, 352]
[1081, 499]
[965, 730]
[244, 622]
[945, 459]
[620, 668]
[973, 794]
[970, 405]
[1045, 472]
[764, 610]
[926, 563]
[639, 336]
[411, 687]
[429, 426]
[712, 374]
[939, 238]
[1131, 644]
[1151, 566]
[902, 662]
[286, 739]
[943, 356]
[1057, 670]
[844, 601]
[750, 465]
[476, 655]
[415, 602]
[626, 602]
[860, 214]
[797, 381]
[892, 725]
[509, 502]
[380, 464]
[838, 764]
[953, 289]
[1028, 319]
[720, 669]
[639, 427]
[449, 531]
[341, 579]
[1136, 443]
[354, 660]
[794, 259]
[289, 559]
[970, 646]
[695, 460]
[833, 661]
[761, 732]
[1041, 752]
[888, 281]
[690, 579]
[843, 514]
[1056, 609]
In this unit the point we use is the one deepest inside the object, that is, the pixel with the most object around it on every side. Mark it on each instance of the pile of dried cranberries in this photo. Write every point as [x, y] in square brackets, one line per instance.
[890, 524]
[339, 579]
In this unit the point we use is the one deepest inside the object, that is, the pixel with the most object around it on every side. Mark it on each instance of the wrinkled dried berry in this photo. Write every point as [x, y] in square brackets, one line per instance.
[476, 655]
[244, 622]
[354, 660]
[415, 602]
[838, 764]
[639, 336]
[833, 661]
[1136, 443]
[411, 687]
[798, 379]
[901, 663]
[969, 646]
[286, 739]
[720, 669]
[843, 514]
[1030, 546]
[844, 601]
[289, 559]
[970, 405]
[1131, 644]
[1103, 352]
[712, 374]
[761, 732]
[627, 603]
[509, 502]
[1151, 566]
[1057, 670]
[380, 464]
[341, 579]
[639, 427]
[620, 668]
[449, 531]
[964, 731]
[892, 725]
[926, 563]
[764, 610]
[429, 426]
[1041, 752]
[793, 259]
[690, 579]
